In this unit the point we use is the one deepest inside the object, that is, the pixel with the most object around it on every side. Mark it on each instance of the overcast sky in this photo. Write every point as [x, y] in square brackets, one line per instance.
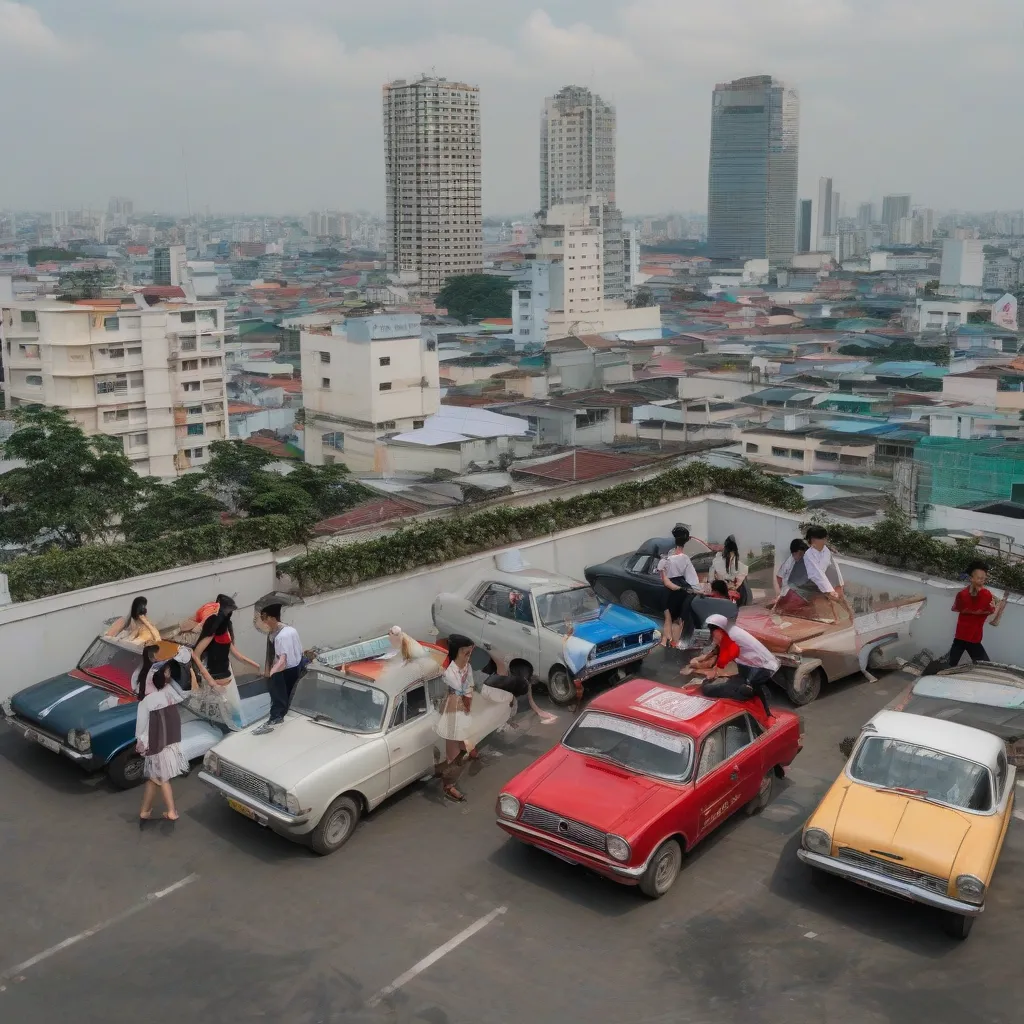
[277, 102]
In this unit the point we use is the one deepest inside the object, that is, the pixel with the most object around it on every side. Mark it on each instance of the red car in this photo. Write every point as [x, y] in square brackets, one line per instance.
[643, 775]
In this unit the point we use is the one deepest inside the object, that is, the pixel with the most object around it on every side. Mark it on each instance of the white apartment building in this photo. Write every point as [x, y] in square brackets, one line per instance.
[531, 297]
[432, 168]
[963, 268]
[577, 147]
[152, 376]
[363, 379]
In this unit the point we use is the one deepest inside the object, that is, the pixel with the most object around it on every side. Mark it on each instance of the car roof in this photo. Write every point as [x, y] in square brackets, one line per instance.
[538, 581]
[983, 672]
[679, 709]
[373, 670]
[948, 737]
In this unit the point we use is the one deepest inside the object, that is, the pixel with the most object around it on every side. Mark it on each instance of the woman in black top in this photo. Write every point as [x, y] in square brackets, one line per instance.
[219, 697]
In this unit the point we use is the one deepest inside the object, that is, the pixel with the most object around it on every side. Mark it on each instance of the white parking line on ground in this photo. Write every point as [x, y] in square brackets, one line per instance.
[432, 958]
[149, 898]
[1019, 815]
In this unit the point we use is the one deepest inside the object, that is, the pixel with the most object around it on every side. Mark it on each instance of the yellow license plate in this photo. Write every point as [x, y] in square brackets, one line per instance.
[242, 809]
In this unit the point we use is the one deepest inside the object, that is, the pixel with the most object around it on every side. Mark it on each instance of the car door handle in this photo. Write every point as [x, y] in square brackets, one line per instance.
[396, 750]
[527, 629]
[491, 622]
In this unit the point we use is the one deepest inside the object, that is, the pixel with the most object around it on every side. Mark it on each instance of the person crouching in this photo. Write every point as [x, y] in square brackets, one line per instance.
[755, 664]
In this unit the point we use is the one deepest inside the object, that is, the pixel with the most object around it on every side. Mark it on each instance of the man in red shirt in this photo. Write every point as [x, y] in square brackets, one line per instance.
[974, 604]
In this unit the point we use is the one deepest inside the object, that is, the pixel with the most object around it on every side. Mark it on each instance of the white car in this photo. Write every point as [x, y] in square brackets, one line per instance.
[524, 615]
[349, 740]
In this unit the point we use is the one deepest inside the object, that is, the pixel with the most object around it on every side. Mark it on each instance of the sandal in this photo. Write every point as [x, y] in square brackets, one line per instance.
[453, 794]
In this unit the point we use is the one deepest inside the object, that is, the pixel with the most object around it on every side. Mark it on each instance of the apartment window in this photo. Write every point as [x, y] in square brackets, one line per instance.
[114, 353]
[524, 331]
[827, 456]
[137, 415]
[26, 351]
[335, 440]
[115, 415]
[211, 362]
[135, 380]
[188, 316]
[112, 385]
[193, 410]
[111, 323]
[213, 406]
[751, 447]
[417, 424]
[190, 386]
[780, 453]
[208, 316]
[384, 386]
[189, 364]
[138, 440]
[325, 357]
[34, 380]
[385, 360]
[28, 316]
[135, 350]
[325, 383]
[388, 425]
[195, 430]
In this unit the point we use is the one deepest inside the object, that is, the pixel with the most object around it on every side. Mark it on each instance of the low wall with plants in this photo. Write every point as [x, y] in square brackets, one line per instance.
[441, 540]
[56, 572]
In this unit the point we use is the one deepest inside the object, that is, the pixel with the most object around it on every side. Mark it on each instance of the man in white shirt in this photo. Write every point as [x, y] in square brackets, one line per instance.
[285, 667]
[818, 561]
[755, 665]
[797, 548]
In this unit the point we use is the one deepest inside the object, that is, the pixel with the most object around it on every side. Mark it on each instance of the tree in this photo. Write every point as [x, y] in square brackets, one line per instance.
[234, 466]
[271, 494]
[642, 298]
[50, 254]
[179, 504]
[85, 284]
[476, 296]
[931, 288]
[74, 489]
[329, 487]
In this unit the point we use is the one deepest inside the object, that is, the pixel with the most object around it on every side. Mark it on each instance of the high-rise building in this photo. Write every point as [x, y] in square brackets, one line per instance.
[169, 264]
[835, 213]
[893, 208]
[963, 264]
[804, 233]
[865, 215]
[153, 376]
[823, 227]
[432, 168]
[752, 171]
[577, 147]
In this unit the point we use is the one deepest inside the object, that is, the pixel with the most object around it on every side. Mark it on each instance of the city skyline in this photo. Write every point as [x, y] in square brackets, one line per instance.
[248, 79]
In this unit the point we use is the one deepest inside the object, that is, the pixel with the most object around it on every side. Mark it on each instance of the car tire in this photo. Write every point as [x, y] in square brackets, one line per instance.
[561, 688]
[807, 691]
[335, 827]
[126, 771]
[957, 926]
[604, 593]
[764, 795]
[630, 599]
[663, 870]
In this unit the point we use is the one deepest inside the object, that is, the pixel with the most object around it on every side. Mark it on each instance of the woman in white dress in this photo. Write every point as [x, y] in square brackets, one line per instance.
[158, 738]
[455, 724]
[728, 568]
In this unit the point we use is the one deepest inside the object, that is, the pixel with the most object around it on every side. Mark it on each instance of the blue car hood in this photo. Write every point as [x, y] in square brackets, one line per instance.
[68, 702]
[612, 622]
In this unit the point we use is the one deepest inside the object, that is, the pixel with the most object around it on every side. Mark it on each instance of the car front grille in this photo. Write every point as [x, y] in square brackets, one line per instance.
[564, 828]
[246, 781]
[623, 643]
[886, 867]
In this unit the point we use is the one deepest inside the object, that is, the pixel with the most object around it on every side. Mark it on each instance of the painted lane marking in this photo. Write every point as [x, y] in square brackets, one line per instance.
[146, 901]
[431, 958]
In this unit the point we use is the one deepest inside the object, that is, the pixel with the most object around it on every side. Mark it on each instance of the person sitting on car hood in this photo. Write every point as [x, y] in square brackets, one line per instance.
[755, 664]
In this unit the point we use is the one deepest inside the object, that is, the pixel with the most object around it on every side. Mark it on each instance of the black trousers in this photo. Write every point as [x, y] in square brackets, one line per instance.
[281, 687]
[749, 683]
[976, 651]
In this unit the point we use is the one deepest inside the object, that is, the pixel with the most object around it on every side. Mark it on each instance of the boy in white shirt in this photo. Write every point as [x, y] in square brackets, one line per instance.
[818, 560]
[285, 668]
[797, 548]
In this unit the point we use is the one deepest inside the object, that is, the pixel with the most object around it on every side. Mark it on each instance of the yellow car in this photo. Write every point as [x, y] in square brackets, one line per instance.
[920, 811]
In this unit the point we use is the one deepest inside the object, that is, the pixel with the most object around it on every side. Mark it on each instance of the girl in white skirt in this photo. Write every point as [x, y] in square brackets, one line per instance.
[455, 726]
[158, 738]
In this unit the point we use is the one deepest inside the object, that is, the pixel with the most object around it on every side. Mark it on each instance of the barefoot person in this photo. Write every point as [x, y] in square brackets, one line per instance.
[158, 738]
[973, 605]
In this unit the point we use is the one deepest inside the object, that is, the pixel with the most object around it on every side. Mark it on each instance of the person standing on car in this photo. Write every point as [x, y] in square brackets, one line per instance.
[680, 580]
[973, 605]
[823, 574]
[284, 670]
[755, 664]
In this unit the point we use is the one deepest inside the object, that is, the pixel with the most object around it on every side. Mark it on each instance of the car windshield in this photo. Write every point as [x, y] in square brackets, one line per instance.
[339, 701]
[111, 662]
[634, 745]
[561, 606]
[920, 771]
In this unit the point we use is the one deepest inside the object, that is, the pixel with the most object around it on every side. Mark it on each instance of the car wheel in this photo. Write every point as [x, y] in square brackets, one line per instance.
[630, 599]
[663, 870]
[126, 771]
[764, 795]
[336, 826]
[604, 593]
[957, 926]
[803, 688]
[561, 688]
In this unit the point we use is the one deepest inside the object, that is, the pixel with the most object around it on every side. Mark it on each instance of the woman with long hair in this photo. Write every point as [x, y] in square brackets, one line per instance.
[158, 738]
[212, 656]
[135, 628]
[142, 678]
[455, 726]
[728, 568]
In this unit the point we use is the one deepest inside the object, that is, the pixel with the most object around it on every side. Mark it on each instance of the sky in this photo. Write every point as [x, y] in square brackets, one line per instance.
[277, 105]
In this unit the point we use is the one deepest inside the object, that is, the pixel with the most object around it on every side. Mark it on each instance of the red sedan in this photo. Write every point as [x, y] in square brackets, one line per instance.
[643, 775]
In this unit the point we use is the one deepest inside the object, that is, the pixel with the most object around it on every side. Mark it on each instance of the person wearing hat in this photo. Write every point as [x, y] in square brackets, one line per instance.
[285, 668]
[755, 664]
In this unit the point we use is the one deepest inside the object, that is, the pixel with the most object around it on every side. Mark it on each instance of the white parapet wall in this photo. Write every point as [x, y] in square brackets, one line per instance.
[45, 637]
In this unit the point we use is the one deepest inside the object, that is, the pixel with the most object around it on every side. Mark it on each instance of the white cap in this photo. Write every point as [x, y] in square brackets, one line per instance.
[717, 620]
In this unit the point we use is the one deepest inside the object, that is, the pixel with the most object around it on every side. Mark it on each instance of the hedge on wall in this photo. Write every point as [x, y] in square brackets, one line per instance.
[56, 572]
[439, 540]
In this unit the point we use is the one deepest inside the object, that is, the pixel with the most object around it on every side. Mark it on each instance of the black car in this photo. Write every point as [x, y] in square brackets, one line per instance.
[633, 580]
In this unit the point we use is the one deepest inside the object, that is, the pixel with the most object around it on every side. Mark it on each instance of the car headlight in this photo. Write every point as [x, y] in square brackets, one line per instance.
[618, 848]
[278, 795]
[970, 889]
[292, 803]
[508, 806]
[211, 762]
[7, 707]
[817, 840]
[80, 740]
[656, 635]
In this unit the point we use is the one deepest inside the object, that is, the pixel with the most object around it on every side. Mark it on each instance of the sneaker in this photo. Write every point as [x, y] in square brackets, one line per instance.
[264, 729]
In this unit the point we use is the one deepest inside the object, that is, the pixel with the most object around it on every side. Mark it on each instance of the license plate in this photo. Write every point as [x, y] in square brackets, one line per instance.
[43, 741]
[247, 811]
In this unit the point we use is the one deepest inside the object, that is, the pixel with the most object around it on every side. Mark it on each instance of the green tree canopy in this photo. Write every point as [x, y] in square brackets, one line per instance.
[475, 296]
[180, 504]
[234, 466]
[50, 254]
[73, 489]
[643, 298]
